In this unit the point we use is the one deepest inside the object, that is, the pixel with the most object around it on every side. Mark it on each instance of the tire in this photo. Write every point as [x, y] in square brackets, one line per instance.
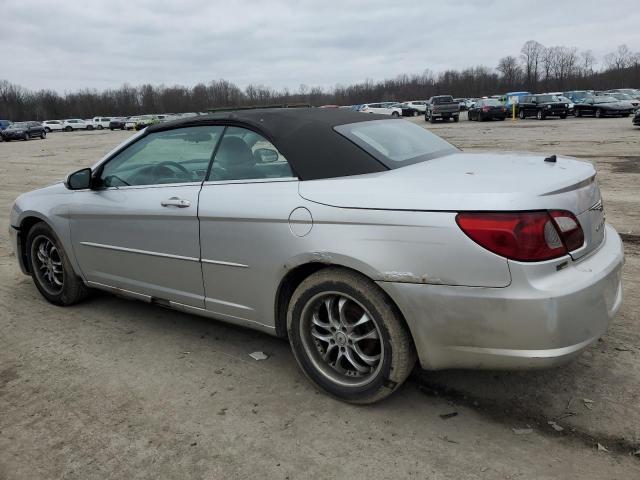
[26, 136]
[47, 129]
[521, 114]
[68, 129]
[456, 119]
[563, 116]
[501, 119]
[540, 115]
[387, 352]
[43, 135]
[100, 127]
[625, 115]
[432, 119]
[577, 112]
[395, 114]
[599, 113]
[50, 268]
[415, 113]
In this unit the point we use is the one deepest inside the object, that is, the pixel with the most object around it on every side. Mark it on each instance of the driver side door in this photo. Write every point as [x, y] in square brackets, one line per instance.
[139, 231]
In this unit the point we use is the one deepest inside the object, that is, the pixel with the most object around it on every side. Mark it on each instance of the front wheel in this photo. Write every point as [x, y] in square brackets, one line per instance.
[521, 114]
[395, 114]
[456, 119]
[68, 129]
[26, 136]
[47, 129]
[50, 268]
[100, 127]
[43, 135]
[577, 112]
[415, 113]
[599, 113]
[540, 115]
[348, 337]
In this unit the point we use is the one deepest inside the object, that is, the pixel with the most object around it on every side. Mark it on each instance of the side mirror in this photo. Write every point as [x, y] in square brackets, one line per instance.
[266, 155]
[80, 180]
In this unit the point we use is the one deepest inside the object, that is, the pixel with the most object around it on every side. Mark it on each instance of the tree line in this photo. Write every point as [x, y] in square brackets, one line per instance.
[536, 68]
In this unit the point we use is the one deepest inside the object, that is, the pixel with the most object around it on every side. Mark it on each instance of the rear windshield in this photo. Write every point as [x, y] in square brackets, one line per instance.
[441, 100]
[396, 143]
[491, 102]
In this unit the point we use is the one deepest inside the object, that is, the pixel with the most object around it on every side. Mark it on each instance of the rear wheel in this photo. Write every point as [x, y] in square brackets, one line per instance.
[415, 113]
[599, 113]
[50, 268]
[456, 118]
[47, 129]
[348, 337]
[563, 116]
[540, 115]
[577, 112]
[26, 136]
[395, 114]
[68, 129]
[100, 127]
[521, 114]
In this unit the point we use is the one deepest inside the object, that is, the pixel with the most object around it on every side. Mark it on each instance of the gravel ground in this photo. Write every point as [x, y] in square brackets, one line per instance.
[114, 388]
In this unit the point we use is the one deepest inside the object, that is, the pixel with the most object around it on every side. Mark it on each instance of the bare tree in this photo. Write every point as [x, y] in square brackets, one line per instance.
[531, 54]
[511, 71]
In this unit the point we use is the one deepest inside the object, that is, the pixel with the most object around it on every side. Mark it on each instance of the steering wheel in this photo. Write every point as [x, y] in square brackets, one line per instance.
[157, 169]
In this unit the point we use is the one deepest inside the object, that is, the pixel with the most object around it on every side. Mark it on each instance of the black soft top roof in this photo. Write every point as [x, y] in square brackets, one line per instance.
[305, 136]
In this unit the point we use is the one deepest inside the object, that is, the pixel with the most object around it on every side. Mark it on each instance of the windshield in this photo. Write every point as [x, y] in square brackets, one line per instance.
[441, 100]
[621, 96]
[604, 100]
[20, 125]
[548, 98]
[396, 143]
[491, 102]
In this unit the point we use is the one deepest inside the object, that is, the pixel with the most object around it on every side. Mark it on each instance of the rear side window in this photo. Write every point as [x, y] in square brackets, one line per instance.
[396, 143]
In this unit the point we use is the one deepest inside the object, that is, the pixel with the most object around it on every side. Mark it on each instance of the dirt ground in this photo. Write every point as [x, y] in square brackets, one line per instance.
[114, 388]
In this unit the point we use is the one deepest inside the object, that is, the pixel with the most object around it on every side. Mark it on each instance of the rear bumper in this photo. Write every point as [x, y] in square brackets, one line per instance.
[543, 318]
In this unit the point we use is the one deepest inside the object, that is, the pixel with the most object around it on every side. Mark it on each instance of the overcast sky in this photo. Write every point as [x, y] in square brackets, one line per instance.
[66, 45]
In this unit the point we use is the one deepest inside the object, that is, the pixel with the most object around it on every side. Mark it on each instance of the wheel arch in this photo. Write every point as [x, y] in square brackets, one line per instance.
[26, 224]
[294, 277]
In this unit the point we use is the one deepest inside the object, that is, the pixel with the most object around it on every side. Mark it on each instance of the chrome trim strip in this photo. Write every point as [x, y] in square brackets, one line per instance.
[142, 252]
[228, 264]
[250, 181]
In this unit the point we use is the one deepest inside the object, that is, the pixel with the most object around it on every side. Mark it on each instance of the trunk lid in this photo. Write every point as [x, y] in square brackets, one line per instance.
[475, 182]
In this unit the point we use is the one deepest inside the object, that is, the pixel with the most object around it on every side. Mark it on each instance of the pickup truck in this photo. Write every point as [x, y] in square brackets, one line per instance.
[442, 106]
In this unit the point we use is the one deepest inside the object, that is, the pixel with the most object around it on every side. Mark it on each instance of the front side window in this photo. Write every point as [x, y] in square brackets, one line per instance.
[181, 155]
[246, 155]
[396, 143]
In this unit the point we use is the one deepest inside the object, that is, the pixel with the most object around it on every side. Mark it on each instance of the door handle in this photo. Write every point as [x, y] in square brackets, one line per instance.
[175, 202]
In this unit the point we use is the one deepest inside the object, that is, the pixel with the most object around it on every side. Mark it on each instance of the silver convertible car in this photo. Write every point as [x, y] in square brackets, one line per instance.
[369, 242]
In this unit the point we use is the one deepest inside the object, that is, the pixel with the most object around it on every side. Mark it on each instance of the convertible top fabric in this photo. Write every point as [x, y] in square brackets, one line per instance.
[305, 136]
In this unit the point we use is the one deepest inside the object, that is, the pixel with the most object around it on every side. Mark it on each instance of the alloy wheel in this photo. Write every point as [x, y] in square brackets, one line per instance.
[47, 264]
[342, 339]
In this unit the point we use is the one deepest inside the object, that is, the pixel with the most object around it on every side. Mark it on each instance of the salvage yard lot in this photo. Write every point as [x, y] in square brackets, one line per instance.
[114, 388]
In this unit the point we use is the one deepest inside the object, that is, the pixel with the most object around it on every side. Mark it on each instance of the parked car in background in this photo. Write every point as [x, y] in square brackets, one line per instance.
[513, 98]
[625, 99]
[146, 120]
[632, 92]
[578, 96]
[487, 109]
[462, 102]
[602, 106]
[4, 124]
[118, 123]
[23, 131]
[384, 108]
[542, 106]
[413, 258]
[419, 105]
[568, 101]
[442, 107]
[99, 123]
[130, 124]
[407, 110]
[636, 118]
[73, 124]
[52, 125]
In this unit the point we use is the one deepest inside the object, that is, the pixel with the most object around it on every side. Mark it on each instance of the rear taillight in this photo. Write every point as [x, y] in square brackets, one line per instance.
[524, 236]
[485, 109]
